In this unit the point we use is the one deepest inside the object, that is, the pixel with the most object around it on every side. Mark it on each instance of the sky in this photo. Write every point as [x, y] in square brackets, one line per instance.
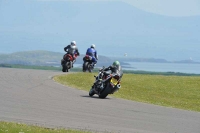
[176, 8]
[168, 7]
[50, 26]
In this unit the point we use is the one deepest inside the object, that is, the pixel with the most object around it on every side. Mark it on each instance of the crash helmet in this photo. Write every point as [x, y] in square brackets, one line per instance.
[92, 46]
[116, 64]
[73, 43]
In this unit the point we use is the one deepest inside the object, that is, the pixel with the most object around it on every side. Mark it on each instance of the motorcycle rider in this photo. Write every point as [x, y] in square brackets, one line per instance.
[114, 68]
[72, 49]
[93, 53]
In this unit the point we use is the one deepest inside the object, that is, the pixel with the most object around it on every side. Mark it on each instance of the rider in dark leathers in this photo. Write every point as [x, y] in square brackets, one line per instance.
[114, 68]
[72, 49]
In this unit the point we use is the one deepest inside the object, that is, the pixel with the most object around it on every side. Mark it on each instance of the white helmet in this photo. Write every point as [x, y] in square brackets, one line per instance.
[73, 43]
[92, 46]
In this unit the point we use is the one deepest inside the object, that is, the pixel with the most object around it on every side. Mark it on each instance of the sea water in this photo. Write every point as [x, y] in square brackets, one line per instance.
[164, 67]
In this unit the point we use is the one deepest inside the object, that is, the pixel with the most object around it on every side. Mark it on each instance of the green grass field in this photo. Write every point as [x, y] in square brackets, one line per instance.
[9, 127]
[181, 92]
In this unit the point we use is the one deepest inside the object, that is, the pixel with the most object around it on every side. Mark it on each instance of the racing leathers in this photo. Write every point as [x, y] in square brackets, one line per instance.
[72, 50]
[93, 53]
[118, 70]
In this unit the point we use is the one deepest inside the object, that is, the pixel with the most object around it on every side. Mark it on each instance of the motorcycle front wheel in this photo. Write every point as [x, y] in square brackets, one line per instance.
[91, 92]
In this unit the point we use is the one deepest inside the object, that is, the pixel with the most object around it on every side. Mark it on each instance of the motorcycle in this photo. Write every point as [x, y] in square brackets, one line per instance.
[87, 63]
[105, 83]
[67, 62]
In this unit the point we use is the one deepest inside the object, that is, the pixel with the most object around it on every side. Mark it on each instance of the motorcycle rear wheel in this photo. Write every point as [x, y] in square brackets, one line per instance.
[85, 66]
[104, 93]
[68, 66]
[89, 68]
[63, 68]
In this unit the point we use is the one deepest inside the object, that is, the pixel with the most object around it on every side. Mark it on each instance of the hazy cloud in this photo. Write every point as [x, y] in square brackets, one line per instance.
[163, 7]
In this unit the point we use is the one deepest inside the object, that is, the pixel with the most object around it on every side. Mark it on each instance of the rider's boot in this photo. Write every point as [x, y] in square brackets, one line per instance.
[73, 62]
[93, 86]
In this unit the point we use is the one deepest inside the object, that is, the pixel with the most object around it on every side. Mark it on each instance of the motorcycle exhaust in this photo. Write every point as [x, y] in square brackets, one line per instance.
[118, 86]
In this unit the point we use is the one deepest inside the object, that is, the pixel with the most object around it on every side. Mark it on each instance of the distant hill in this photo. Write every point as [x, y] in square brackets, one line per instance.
[31, 58]
[48, 58]
[44, 58]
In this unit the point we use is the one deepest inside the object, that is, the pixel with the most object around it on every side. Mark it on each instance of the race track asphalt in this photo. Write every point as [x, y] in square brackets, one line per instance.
[33, 97]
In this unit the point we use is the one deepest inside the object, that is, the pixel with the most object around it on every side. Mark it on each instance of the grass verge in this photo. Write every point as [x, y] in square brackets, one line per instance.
[10, 127]
[172, 91]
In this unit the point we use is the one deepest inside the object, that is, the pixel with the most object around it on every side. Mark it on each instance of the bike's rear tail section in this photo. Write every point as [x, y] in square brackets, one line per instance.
[87, 63]
[67, 62]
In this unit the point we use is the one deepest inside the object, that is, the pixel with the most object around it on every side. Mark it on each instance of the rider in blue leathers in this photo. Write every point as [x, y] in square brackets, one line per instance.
[93, 53]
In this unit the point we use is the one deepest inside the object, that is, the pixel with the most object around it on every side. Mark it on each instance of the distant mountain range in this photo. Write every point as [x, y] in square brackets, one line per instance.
[115, 27]
[48, 58]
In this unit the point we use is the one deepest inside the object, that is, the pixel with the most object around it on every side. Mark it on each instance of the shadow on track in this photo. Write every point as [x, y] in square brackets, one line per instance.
[95, 97]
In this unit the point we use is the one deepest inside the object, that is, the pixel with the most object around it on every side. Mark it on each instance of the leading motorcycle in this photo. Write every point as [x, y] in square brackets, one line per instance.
[67, 62]
[105, 83]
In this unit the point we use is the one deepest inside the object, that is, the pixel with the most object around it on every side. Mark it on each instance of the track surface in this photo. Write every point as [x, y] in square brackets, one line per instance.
[32, 97]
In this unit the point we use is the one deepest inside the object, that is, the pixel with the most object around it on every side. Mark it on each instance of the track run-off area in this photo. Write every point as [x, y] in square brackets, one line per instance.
[33, 97]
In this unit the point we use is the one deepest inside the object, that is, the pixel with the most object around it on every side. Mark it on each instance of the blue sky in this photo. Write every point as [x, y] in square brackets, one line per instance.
[131, 25]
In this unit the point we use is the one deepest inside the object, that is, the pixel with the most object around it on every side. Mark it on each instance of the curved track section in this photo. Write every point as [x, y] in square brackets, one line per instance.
[32, 97]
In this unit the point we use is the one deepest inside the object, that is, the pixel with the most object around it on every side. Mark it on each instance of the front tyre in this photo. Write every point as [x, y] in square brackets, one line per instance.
[91, 92]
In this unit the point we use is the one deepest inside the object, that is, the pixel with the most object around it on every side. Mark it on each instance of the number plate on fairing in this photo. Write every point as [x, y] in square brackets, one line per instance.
[114, 81]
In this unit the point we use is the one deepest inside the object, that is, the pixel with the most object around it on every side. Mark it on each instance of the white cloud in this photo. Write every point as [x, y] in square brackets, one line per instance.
[168, 7]
[163, 7]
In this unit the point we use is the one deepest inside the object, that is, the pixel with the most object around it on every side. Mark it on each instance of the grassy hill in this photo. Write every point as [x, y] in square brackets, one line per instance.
[171, 91]
[44, 58]
[31, 58]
